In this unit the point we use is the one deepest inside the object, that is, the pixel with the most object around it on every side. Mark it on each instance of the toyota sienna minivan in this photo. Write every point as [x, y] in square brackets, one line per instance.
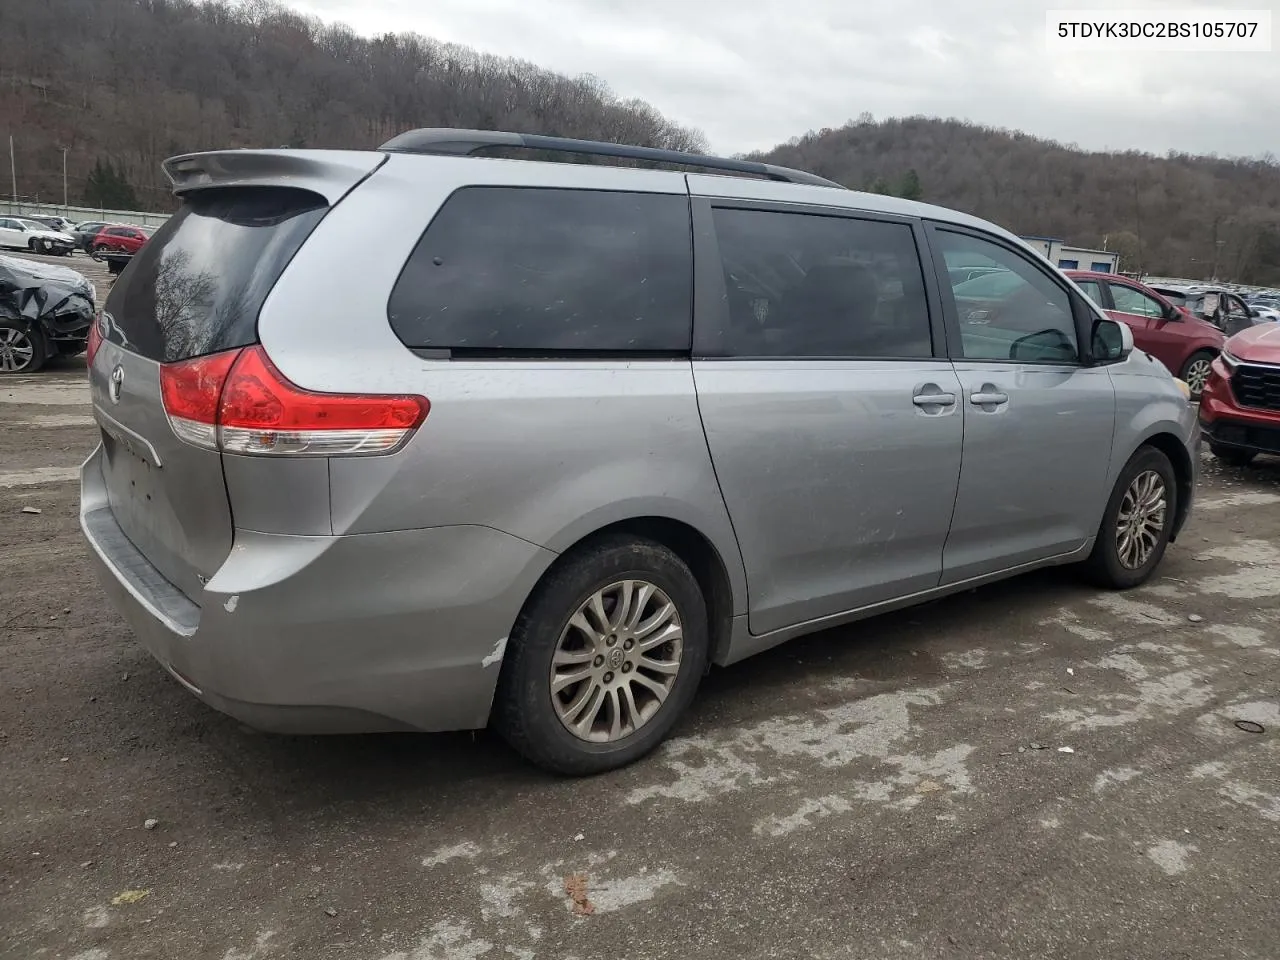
[564, 435]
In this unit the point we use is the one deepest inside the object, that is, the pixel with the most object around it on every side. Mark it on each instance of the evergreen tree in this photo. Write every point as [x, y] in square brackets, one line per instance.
[909, 188]
[107, 188]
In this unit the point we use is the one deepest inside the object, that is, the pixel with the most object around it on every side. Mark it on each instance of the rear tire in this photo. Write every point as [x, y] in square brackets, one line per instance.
[1195, 372]
[22, 349]
[1136, 524]
[616, 706]
[1232, 456]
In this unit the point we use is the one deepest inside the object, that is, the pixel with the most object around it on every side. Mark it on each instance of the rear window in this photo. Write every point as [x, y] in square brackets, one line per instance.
[520, 270]
[198, 285]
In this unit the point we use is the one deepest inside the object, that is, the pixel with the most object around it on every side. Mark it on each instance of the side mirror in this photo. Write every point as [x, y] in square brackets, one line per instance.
[1112, 341]
[1253, 312]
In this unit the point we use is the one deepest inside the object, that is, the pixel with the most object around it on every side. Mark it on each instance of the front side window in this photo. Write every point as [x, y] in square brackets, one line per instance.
[805, 285]
[1131, 300]
[1014, 313]
[550, 271]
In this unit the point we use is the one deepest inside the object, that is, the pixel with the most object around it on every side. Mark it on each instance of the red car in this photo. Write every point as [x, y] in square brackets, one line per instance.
[1176, 337]
[118, 239]
[1240, 406]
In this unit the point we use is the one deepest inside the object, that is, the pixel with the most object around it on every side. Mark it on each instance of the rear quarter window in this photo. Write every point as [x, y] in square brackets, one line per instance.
[196, 287]
[550, 271]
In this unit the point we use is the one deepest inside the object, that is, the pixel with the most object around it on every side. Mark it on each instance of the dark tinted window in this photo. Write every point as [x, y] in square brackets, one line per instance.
[198, 285]
[1016, 313]
[530, 270]
[802, 285]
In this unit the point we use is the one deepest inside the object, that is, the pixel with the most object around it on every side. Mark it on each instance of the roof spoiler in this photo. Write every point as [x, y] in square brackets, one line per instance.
[330, 173]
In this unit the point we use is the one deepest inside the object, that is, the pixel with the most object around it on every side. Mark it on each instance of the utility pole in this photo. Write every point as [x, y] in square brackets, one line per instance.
[64, 181]
[13, 170]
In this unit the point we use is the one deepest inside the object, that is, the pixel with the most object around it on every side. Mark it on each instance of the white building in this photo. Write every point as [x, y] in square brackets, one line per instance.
[1075, 258]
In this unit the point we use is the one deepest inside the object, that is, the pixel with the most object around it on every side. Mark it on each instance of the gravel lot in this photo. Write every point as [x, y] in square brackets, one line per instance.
[897, 789]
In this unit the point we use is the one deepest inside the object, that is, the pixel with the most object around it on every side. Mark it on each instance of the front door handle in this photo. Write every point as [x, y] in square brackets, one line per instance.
[984, 398]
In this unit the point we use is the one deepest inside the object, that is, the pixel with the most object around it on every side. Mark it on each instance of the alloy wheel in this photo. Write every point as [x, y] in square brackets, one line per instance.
[617, 660]
[1141, 519]
[16, 350]
[1197, 376]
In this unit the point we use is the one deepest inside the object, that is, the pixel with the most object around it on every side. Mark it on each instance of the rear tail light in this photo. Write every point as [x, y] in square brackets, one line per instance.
[238, 402]
[95, 339]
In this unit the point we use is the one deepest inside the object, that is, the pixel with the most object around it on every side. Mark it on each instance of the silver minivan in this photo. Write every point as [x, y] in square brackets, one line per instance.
[420, 439]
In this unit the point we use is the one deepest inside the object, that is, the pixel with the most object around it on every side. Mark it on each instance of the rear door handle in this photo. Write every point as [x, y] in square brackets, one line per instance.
[988, 399]
[934, 399]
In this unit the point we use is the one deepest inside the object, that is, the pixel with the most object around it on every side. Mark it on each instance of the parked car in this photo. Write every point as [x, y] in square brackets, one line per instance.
[84, 233]
[58, 224]
[118, 239]
[1179, 339]
[1240, 406]
[578, 458]
[19, 233]
[45, 310]
[1225, 310]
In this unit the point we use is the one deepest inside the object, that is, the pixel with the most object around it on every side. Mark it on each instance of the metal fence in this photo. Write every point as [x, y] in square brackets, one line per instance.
[139, 218]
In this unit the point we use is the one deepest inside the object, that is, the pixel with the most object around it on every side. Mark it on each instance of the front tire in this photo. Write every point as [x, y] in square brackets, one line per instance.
[22, 350]
[604, 658]
[1195, 372]
[1137, 524]
[1232, 456]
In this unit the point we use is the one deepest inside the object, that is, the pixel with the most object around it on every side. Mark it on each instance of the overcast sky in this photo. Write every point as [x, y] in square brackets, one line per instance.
[753, 73]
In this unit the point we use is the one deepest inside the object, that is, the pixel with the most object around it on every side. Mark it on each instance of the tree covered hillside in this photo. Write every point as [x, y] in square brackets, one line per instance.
[130, 82]
[1172, 215]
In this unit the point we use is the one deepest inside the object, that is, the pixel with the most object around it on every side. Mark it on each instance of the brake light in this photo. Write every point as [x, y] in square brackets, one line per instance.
[190, 390]
[95, 339]
[238, 402]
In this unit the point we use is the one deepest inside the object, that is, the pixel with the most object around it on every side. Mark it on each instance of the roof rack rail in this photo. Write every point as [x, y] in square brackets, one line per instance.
[464, 143]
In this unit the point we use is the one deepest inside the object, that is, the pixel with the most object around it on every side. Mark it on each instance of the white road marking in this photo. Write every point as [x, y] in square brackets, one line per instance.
[47, 393]
[38, 475]
[1256, 498]
[1170, 856]
[52, 421]
[466, 849]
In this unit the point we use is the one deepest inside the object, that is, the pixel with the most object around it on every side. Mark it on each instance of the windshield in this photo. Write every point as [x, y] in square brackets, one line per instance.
[34, 225]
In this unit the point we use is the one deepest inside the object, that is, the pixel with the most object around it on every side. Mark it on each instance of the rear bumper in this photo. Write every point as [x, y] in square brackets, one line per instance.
[386, 631]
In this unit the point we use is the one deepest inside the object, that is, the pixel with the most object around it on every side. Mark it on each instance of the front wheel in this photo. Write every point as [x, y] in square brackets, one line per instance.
[1195, 372]
[1137, 523]
[605, 657]
[21, 350]
[1232, 456]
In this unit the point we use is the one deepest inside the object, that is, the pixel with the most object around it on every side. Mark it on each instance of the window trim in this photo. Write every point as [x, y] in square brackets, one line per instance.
[1080, 312]
[710, 300]
[533, 354]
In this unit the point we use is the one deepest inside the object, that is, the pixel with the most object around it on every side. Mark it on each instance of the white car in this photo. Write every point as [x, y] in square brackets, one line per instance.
[21, 234]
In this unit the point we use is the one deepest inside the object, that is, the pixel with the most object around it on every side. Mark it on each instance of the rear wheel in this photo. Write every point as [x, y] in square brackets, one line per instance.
[1232, 456]
[21, 350]
[1137, 523]
[1195, 372]
[605, 657]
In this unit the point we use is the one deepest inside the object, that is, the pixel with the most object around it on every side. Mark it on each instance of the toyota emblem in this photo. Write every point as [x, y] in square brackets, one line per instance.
[117, 381]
